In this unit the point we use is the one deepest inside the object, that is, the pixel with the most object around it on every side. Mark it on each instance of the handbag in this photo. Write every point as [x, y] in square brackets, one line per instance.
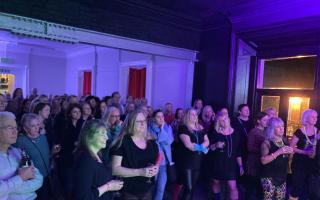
[171, 169]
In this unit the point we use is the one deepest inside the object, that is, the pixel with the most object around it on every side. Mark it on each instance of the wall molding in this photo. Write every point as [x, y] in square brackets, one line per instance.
[42, 29]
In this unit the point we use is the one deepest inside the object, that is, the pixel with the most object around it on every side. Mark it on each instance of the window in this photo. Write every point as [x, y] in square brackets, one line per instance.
[288, 73]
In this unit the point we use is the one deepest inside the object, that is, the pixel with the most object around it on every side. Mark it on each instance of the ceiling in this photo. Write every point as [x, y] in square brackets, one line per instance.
[265, 24]
[13, 41]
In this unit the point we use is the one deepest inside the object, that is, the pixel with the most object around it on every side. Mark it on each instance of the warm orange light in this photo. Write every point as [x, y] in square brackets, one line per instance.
[295, 101]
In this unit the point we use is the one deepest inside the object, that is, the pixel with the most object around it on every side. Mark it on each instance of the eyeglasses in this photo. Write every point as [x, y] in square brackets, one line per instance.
[10, 128]
[141, 122]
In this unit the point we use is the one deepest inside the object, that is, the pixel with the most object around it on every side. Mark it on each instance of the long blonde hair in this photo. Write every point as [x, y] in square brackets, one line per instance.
[186, 120]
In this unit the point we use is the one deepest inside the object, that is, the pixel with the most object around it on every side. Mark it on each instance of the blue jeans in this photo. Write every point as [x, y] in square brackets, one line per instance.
[161, 181]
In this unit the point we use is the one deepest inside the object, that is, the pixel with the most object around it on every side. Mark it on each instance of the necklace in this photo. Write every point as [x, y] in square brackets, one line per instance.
[308, 141]
[229, 145]
[279, 143]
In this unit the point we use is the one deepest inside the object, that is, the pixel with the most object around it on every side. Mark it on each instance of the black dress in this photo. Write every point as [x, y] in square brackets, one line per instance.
[89, 174]
[276, 169]
[190, 159]
[224, 160]
[133, 157]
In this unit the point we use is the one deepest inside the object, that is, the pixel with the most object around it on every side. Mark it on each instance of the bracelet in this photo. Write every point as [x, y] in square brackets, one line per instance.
[273, 156]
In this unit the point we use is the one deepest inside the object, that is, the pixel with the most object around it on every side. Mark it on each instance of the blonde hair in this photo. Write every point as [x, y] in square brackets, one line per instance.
[186, 119]
[273, 123]
[305, 115]
[217, 125]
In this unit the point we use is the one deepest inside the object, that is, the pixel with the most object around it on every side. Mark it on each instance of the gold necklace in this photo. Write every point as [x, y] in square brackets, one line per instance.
[308, 141]
[279, 143]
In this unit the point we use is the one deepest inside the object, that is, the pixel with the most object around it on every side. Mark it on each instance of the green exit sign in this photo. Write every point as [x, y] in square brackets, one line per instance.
[7, 60]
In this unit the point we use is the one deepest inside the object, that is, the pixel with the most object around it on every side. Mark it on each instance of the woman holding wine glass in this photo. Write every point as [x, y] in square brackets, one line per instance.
[134, 155]
[274, 159]
[92, 174]
[303, 142]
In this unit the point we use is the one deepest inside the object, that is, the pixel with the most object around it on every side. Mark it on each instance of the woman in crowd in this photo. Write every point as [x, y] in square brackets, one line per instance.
[92, 174]
[25, 108]
[86, 111]
[130, 107]
[3, 103]
[93, 102]
[255, 139]
[46, 124]
[73, 125]
[226, 157]
[303, 142]
[134, 156]
[242, 125]
[207, 118]
[36, 146]
[271, 112]
[16, 101]
[274, 159]
[102, 110]
[168, 113]
[223, 111]
[17, 182]
[113, 123]
[193, 144]
[198, 105]
[164, 138]
[177, 122]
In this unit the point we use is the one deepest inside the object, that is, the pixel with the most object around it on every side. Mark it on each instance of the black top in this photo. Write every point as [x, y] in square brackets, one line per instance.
[70, 137]
[89, 174]
[276, 168]
[190, 159]
[243, 128]
[224, 160]
[133, 157]
[300, 161]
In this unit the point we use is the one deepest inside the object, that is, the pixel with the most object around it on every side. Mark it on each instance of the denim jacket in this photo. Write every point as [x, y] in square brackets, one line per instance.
[164, 139]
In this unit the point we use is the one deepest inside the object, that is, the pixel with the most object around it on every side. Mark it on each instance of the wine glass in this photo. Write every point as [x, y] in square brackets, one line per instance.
[223, 145]
[117, 193]
[150, 178]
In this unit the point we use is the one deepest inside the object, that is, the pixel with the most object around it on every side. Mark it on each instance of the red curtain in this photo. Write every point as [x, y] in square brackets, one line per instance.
[137, 82]
[87, 78]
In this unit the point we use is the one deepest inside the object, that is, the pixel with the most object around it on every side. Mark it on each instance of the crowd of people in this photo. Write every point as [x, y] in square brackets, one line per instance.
[63, 147]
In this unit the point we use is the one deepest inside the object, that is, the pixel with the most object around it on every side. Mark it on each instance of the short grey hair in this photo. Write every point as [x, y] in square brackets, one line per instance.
[272, 125]
[27, 118]
[6, 116]
[306, 114]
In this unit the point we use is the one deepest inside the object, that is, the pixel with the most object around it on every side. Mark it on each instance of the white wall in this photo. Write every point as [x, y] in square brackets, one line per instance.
[47, 74]
[169, 82]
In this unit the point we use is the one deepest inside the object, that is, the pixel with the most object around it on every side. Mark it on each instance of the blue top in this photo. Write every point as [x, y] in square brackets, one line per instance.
[164, 139]
[38, 150]
[12, 187]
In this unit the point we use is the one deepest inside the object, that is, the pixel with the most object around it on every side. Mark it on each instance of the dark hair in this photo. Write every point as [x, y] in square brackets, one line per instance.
[177, 112]
[39, 107]
[242, 106]
[114, 93]
[15, 92]
[259, 116]
[156, 112]
[71, 107]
